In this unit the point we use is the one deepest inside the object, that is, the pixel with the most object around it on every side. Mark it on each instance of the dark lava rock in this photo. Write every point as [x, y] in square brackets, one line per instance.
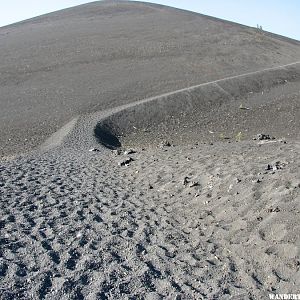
[164, 143]
[126, 162]
[263, 137]
[94, 150]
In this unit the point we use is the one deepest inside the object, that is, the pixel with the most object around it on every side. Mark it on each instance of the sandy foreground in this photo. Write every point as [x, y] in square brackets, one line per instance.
[200, 221]
[109, 53]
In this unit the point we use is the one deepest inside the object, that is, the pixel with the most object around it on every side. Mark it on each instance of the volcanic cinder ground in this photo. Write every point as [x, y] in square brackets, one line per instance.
[147, 153]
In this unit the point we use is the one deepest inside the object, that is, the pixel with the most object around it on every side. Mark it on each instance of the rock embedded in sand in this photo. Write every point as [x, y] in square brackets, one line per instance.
[94, 150]
[125, 162]
[129, 151]
[244, 107]
[194, 183]
[277, 166]
[116, 152]
[269, 167]
[237, 180]
[257, 180]
[276, 209]
[164, 144]
[263, 137]
[185, 180]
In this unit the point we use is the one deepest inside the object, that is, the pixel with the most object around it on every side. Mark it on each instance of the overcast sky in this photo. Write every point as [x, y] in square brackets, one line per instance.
[278, 16]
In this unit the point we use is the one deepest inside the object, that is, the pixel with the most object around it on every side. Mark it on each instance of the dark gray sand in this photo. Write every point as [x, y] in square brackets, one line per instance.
[205, 214]
[105, 54]
[192, 222]
[193, 194]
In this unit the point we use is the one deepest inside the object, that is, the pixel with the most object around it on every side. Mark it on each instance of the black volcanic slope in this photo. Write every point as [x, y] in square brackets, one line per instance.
[105, 54]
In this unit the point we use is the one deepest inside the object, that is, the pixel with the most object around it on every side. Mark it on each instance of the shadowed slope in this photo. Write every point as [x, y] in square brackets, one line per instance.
[243, 104]
[105, 54]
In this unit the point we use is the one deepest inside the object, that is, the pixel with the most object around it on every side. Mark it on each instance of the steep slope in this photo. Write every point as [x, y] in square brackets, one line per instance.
[105, 54]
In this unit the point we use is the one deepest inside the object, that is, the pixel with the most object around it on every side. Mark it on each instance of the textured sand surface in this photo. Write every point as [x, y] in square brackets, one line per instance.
[192, 222]
[148, 178]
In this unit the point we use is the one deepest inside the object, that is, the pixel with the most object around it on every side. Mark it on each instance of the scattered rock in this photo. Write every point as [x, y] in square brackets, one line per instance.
[238, 180]
[129, 151]
[276, 209]
[125, 162]
[277, 166]
[194, 183]
[244, 107]
[94, 150]
[269, 167]
[185, 180]
[116, 152]
[263, 137]
[164, 144]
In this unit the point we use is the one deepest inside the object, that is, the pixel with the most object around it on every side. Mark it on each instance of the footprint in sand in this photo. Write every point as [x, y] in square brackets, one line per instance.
[273, 232]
